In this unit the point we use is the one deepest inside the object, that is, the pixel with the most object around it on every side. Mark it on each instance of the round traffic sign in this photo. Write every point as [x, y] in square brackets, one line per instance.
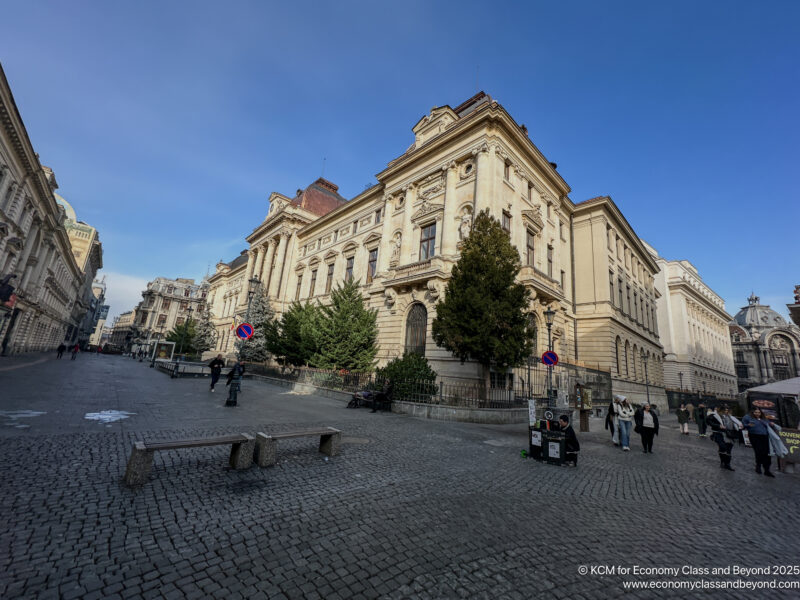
[550, 358]
[244, 331]
[548, 414]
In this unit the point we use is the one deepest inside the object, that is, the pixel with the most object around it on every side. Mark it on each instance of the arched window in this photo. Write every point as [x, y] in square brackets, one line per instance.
[416, 329]
[635, 356]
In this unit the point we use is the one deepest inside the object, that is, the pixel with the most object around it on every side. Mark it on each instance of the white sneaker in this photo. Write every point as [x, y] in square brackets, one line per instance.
[212, 389]
[626, 449]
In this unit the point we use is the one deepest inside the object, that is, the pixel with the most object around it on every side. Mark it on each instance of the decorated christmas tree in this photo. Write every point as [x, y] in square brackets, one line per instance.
[260, 316]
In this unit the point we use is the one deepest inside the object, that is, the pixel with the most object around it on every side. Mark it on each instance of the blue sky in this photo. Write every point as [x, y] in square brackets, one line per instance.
[168, 124]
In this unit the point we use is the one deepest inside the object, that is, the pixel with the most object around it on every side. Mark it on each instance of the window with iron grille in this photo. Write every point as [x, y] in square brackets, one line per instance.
[416, 329]
[741, 372]
[427, 242]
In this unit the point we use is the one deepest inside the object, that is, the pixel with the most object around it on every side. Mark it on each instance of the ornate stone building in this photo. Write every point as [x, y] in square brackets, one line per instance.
[165, 304]
[615, 301]
[36, 258]
[400, 238]
[123, 331]
[765, 347]
[693, 327]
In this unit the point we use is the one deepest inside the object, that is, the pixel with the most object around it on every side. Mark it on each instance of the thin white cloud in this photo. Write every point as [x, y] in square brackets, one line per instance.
[123, 292]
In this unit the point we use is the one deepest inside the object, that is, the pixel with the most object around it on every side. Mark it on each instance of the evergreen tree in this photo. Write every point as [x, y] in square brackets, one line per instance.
[484, 316]
[205, 336]
[260, 317]
[294, 337]
[347, 334]
[183, 336]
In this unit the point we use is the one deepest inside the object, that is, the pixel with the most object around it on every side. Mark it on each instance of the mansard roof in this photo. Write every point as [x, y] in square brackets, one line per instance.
[320, 198]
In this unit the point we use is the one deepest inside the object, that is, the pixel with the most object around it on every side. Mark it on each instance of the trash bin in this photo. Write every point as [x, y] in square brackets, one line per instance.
[553, 447]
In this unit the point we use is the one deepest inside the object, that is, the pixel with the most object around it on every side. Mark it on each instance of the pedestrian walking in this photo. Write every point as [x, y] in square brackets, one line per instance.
[757, 427]
[60, 350]
[733, 426]
[99, 350]
[701, 416]
[571, 444]
[715, 421]
[75, 349]
[612, 419]
[625, 419]
[216, 370]
[646, 426]
[683, 419]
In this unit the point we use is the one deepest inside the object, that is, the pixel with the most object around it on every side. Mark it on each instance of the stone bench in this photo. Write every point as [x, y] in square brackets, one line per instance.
[267, 443]
[141, 459]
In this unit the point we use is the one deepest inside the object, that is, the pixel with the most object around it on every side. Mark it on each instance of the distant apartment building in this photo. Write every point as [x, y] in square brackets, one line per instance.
[167, 303]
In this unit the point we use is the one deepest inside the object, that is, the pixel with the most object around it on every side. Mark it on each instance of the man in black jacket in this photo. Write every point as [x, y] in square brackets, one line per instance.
[571, 445]
[216, 370]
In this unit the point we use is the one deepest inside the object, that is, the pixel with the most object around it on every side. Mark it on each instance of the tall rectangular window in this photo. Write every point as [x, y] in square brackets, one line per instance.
[355, 226]
[348, 270]
[530, 192]
[550, 261]
[611, 287]
[506, 171]
[635, 306]
[329, 280]
[299, 285]
[628, 293]
[427, 242]
[372, 265]
[313, 283]
[619, 291]
[563, 278]
[529, 241]
[506, 222]
[377, 216]
[165, 303]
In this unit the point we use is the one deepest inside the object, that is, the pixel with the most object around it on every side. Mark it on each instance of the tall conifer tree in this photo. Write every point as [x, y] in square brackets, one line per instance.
[484, 314]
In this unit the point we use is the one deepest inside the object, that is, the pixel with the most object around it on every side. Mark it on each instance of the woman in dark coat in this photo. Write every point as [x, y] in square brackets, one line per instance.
[757, 427]
[647, 426]
[714, 420]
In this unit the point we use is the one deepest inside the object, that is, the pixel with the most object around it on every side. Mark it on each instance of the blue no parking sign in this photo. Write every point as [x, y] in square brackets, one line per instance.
[244, 331]
[550, 358]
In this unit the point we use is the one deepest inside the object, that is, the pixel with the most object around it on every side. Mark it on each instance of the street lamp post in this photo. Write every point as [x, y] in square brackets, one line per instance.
[680, 374]
[155, 347]
[646, 379]
[549, 315]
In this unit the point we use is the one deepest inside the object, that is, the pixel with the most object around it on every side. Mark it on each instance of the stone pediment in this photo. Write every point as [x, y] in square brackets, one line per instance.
[439, 119]
[427, 209]
[534, 217]
[331, 254]
[372, 238]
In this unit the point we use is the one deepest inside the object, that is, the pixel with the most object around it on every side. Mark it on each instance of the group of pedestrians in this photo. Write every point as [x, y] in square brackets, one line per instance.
[73, 349]
[762, 434]
[622, 417]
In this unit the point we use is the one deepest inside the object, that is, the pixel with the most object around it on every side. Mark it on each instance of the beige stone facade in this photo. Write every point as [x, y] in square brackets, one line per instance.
[122, 330]
[36, 258]
[693, 327]
[615, 301]
[165, 304]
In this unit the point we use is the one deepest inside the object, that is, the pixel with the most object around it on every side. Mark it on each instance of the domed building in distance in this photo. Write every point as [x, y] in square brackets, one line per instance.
[765, 347]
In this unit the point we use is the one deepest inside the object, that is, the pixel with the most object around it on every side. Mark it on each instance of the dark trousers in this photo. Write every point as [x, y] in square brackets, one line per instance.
[60, 352]
[701, 425]
[648, 433]
[761, 448]
[214, 378]
[571, 457]
[74, 354]
[724, 446]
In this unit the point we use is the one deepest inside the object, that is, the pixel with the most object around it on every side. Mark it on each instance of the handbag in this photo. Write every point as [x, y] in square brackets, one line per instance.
[776, 445]
[746, 438]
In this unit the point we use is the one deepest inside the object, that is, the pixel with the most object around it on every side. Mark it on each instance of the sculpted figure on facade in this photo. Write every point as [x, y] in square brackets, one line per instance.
[396, 243]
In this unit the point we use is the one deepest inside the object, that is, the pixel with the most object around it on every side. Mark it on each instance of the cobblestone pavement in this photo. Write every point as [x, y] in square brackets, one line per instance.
[409, 509]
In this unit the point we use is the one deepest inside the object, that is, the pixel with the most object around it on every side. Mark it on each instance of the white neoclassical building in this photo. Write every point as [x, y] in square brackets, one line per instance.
[693, 327]
[165, 304]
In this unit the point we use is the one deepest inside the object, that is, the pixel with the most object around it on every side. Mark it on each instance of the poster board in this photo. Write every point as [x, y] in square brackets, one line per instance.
[791, 439]
[164, 350]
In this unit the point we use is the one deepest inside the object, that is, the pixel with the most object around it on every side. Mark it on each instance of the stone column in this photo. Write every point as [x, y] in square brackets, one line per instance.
[267, 267]
[484, 178]
[275, 277]
[385, 248]
[768, 364]
[796, 362]
[449, 235]
[260, 251]
[250, 265]
[408, 228]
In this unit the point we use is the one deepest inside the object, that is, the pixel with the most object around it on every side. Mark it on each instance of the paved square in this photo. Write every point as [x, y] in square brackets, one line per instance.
[409, 509]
